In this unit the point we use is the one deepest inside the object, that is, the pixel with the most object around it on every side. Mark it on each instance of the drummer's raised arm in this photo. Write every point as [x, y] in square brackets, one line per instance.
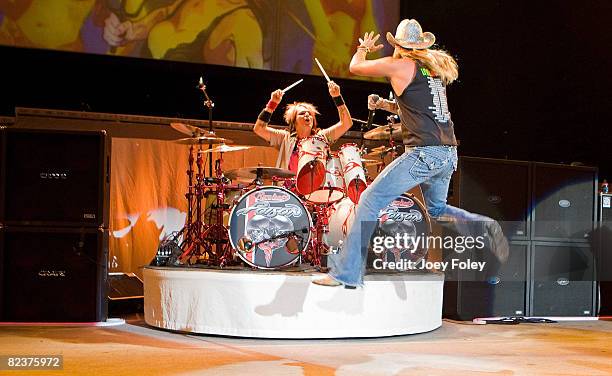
[339, 129]
[261, 125]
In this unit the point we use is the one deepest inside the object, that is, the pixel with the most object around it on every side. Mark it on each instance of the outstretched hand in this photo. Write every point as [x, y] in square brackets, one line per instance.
[369, 42]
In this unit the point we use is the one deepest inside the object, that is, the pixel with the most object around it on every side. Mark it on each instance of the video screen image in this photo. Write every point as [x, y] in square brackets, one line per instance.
[279, 35]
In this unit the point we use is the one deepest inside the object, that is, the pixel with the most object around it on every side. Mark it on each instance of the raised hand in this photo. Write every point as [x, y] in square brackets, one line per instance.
[334, 89]
[369, 42]
[276, 96]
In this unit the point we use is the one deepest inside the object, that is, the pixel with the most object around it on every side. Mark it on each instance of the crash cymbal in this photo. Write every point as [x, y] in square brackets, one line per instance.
[208, 138]
[225, 148]
[382, 133]
[188, 129]
[371, 162]
[263, 172]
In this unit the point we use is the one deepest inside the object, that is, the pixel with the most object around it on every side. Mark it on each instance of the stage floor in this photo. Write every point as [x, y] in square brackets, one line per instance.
[562, 349]
[281, 304]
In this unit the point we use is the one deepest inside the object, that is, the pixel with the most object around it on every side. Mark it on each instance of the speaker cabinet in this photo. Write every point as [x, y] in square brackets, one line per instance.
[562, 279]
[496, 188]
[500, 290]
[604, 254]
[53, 275]
[564, 202]
[54, 178]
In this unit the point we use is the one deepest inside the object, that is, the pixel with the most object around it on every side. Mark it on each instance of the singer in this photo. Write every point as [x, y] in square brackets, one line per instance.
[302, 121]
[418, 75]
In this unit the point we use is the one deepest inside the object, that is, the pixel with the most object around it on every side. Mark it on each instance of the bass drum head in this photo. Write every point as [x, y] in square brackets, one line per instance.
[405, 220]
[262, 214]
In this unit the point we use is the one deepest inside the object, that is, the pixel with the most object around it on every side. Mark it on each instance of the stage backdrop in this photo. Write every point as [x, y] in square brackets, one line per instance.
[148, 186]
[282, 35]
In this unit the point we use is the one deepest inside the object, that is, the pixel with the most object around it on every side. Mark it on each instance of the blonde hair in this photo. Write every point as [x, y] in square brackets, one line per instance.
[292, 110]
[438, 61]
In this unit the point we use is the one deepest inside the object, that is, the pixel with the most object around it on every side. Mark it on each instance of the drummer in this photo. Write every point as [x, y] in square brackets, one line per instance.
[302, 121]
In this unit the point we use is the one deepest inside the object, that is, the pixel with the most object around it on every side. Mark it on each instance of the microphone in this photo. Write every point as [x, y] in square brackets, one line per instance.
[371, 111]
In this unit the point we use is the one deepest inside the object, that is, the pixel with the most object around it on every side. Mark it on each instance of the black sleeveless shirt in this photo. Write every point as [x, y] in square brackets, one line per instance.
[424, 111]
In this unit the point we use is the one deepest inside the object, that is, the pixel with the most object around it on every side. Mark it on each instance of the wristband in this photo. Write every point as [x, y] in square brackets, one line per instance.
[271, 105]
[338, 100]
[265, 116]
[364, 48]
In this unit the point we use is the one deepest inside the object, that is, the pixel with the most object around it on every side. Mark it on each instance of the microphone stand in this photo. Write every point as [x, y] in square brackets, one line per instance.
[208, 103]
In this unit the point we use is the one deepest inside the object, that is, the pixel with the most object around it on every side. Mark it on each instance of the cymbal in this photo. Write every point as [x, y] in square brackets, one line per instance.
[371, 162]
[378, 151]
[264, 172]
[224, 149]
[208, 138]
[382, 133]
[187, 129]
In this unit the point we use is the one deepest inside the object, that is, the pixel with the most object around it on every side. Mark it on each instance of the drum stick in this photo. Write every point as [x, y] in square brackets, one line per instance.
[292, 85]
[322, 70]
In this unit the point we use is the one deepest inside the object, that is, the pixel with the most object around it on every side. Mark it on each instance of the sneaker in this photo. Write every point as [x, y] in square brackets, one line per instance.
[499, 243]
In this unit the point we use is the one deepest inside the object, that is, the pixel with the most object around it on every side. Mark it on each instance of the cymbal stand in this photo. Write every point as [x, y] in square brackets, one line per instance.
[193, 227]
[317, 246]
[209, 104]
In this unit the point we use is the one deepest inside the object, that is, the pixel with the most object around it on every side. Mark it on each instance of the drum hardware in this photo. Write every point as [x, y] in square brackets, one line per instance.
[209, 138]
[204, 236]
[259, 173]
[222, 148]
[371, 162]
[188, 129]
[247, 245]
[385, 132]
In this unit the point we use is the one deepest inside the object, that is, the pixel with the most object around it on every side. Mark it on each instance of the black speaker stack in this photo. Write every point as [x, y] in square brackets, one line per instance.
[549, 214]
[54, 203]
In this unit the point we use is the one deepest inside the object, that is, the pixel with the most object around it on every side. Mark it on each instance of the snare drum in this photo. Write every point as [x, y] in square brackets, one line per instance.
[333, 187]
[352, 169]
[405, 215]
[312, 157]
[269, 227]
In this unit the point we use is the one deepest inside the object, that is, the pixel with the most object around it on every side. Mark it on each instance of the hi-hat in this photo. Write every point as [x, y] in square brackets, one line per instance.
[383, 132]
[207, 138]
[188, 129]
[259, 171]
[225, 148]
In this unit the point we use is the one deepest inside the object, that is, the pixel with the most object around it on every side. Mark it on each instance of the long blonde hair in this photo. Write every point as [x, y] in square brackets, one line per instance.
[438, 61]
[292, 111]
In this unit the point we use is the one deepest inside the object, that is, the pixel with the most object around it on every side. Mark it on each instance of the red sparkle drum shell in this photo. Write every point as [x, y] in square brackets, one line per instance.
[264, 216]
[312, 159]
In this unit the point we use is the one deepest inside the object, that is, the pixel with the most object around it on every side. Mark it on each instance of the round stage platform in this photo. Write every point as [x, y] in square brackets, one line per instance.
[264, 304]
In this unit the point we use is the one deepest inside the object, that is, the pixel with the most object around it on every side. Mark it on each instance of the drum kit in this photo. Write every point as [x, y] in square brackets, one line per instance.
[279, 217]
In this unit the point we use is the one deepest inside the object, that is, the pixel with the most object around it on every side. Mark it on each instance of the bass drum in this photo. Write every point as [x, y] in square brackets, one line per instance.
[405, 215]
[269, 227]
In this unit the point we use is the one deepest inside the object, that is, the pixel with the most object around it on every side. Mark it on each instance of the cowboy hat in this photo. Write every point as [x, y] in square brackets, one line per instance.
[409, 34]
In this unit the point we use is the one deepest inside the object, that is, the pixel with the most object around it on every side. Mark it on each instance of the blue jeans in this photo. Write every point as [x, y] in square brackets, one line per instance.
[429, 166]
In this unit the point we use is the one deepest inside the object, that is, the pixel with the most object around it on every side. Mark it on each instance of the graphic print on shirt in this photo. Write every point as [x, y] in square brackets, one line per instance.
[438, 92]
